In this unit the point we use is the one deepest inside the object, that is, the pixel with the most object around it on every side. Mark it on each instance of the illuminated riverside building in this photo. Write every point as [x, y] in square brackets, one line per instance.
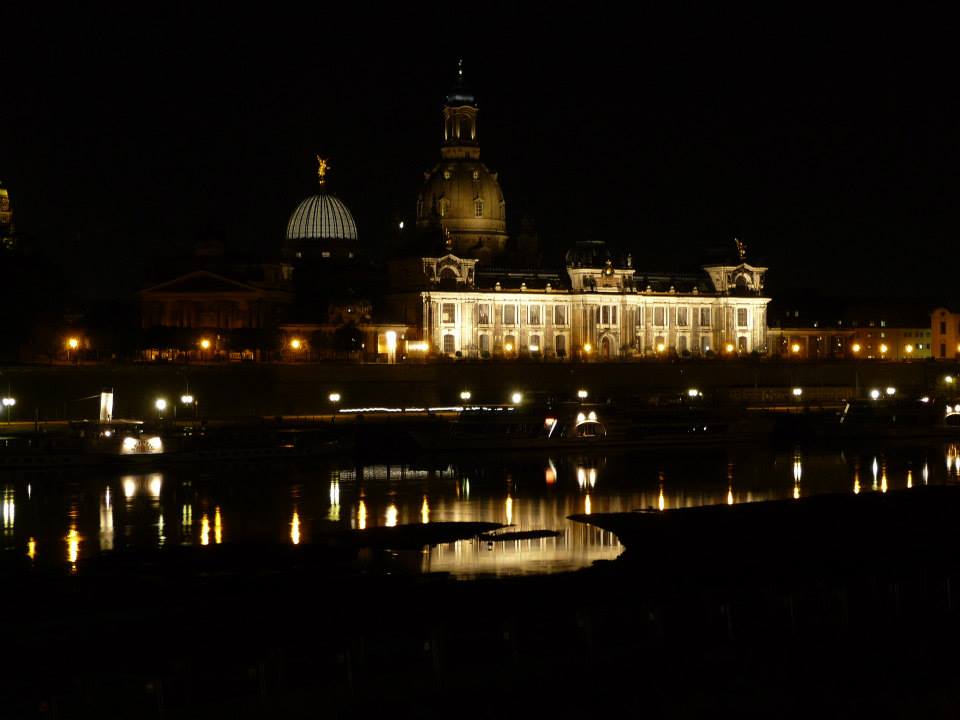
[835, 329]
[598, 308]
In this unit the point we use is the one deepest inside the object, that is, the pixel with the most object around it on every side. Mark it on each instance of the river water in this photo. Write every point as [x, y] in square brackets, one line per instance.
[62, 520]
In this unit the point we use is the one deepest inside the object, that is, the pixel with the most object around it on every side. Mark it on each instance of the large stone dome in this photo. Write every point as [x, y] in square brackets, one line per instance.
[460, 196]
[321, 217]
[465, 198]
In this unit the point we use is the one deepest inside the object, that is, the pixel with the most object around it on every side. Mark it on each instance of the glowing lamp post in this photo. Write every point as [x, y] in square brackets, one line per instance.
[883, 348]
[795, 348]
[8, 403]
[587, 349]
[875, 394]
[72, 345]
[582, 394]
[797, 392]
[516, 398]
[160, 404]
[855, 348]
[187, 399]
[728, 348]
[466, 395]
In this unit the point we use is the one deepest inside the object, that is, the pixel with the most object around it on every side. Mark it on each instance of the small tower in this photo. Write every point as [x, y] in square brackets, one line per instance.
[460, 140]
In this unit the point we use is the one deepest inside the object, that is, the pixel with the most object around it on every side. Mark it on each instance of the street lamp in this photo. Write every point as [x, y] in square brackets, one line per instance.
[855, 348]
[296, 344]
[72, 345]
[8, 403]
[883, 348]
[465, 395]
[516, 398]
[582, 394]
[875, 394]
[160, 404]
[795, 348]
[797, 392]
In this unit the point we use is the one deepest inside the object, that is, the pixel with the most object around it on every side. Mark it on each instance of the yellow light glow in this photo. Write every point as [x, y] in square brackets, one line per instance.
[334, 397]
[856, 485]
[155, 484]
[581, 475]
[204, 530]
[796, 492]
[295, 528]
[948, 379]
[508, 509]
[883, 348]
[582, 394]
[217, 526]
[795, 348]
[465, 395]
[425, 511]
[73, 343]
[186, 399]
[587, 509]
[661, 502]
[129, 487]
[534, 348]
[296, 344]
[855, 347]
[587, 348]
[160, 404]
[909, 479]
[391, 337]
[418, 346]
[73, 545]
[516, 398]
[204, 344]
[362, 515]
[391, 516]
[661, 347]
[909, 349]
[508, 347]
[32, 548]
[729, 496]
[728, 347]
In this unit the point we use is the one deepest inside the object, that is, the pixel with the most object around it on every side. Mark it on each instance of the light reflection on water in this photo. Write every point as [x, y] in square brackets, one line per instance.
[526, 494]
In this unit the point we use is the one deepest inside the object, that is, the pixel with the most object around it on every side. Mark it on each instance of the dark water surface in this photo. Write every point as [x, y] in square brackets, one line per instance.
[62, 520]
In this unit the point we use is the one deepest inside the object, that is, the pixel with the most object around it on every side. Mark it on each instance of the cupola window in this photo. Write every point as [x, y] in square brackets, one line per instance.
[478, 208]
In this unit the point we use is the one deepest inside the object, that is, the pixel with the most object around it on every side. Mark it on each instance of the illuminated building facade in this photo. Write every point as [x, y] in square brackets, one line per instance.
[945, 334]
[598, 308]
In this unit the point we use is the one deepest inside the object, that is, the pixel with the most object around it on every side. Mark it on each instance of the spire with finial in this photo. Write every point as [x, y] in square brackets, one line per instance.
[323, 166]
[741, 249]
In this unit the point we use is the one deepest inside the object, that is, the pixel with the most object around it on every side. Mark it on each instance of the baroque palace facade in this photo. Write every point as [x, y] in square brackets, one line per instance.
[597, 310]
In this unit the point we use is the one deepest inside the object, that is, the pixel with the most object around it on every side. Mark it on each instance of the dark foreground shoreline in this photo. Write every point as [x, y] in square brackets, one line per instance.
[863, 630]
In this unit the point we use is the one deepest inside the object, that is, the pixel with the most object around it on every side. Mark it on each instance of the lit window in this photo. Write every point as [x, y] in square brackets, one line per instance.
[478, 208]
[659, 316]
[509, 314]
[449, 313]
[559, 314]
[682, 317]
[533, 315]
[705, 317]
[483, 314]
[449, 344]
[742, 317]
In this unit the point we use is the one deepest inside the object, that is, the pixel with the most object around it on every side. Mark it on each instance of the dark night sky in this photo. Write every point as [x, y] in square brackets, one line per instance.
[829, 144]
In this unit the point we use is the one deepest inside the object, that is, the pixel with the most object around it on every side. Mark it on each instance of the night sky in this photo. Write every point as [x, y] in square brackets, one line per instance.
[829, 144]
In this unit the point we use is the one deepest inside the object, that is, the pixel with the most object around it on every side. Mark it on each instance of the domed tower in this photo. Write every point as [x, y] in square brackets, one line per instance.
[321, 228]
[460, 196]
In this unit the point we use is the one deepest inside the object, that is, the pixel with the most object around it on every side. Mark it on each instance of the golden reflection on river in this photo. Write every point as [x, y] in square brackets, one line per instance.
[295, 528]
[308, 505]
